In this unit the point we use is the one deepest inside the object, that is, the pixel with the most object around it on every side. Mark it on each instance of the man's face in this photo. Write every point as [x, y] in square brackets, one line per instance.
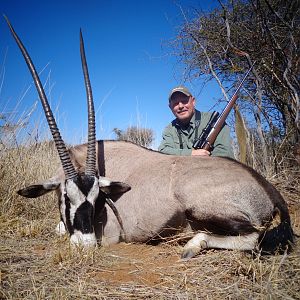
[182, 106]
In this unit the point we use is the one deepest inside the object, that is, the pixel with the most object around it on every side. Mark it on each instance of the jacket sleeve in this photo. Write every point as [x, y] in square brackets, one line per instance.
[222, 145]
[170, 145]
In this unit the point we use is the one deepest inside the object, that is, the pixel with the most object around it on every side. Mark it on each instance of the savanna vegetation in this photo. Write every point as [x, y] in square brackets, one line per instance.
[138, 135]
[220, 45]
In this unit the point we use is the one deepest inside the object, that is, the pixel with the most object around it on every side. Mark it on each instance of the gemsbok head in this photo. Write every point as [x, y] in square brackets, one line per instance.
[79, 191]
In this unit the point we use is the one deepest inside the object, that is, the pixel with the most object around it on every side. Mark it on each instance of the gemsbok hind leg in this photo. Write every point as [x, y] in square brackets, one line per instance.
[205, 240]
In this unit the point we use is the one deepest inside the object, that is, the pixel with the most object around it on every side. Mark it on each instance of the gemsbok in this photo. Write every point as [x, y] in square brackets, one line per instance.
[225, 203]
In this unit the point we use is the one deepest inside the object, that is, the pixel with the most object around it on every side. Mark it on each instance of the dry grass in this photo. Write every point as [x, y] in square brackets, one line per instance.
[36, 264]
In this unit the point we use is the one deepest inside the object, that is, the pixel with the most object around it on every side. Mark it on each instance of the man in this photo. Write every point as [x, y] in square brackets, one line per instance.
[179, 136]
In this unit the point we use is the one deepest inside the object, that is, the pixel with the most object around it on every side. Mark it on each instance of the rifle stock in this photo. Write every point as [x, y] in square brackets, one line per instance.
[215, 125]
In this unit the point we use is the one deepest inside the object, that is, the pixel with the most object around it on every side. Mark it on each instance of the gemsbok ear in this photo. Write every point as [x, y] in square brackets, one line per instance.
[112, 188]
[37, 190]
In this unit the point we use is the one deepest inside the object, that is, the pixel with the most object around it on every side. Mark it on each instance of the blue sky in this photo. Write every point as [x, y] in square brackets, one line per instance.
[131, 67]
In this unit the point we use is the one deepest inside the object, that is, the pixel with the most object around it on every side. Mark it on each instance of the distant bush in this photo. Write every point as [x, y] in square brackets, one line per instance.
[140, 136]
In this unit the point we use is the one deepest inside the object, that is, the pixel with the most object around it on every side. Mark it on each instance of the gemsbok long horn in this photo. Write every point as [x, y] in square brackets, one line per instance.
[91, 148]
[63, 153]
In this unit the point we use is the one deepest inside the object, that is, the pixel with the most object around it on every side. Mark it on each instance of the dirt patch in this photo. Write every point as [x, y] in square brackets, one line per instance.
[138, 263]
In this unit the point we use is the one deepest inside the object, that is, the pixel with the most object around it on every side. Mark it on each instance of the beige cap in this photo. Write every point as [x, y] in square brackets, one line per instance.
[180, 89]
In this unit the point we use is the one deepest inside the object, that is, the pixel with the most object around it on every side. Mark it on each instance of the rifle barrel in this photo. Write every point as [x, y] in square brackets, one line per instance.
[222, 118]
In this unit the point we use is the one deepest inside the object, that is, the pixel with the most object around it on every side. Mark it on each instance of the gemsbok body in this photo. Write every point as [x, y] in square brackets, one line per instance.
[226, 204]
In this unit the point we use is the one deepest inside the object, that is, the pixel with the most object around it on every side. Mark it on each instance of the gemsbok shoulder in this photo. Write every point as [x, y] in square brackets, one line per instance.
[225, 203]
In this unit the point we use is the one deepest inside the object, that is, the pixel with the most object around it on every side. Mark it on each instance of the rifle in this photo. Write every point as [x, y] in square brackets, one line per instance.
[216, 122]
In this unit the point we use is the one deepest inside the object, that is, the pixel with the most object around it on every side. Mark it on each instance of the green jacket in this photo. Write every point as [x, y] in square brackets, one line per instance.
[171, 144]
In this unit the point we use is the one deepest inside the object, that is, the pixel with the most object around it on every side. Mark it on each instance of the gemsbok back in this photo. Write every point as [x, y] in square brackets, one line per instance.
[226, 204]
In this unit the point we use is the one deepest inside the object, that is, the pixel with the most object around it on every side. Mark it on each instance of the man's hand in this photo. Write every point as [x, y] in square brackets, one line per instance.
[200, 152]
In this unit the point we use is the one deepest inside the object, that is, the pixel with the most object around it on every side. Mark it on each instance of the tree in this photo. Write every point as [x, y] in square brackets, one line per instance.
[140, 136]
[224, 43]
